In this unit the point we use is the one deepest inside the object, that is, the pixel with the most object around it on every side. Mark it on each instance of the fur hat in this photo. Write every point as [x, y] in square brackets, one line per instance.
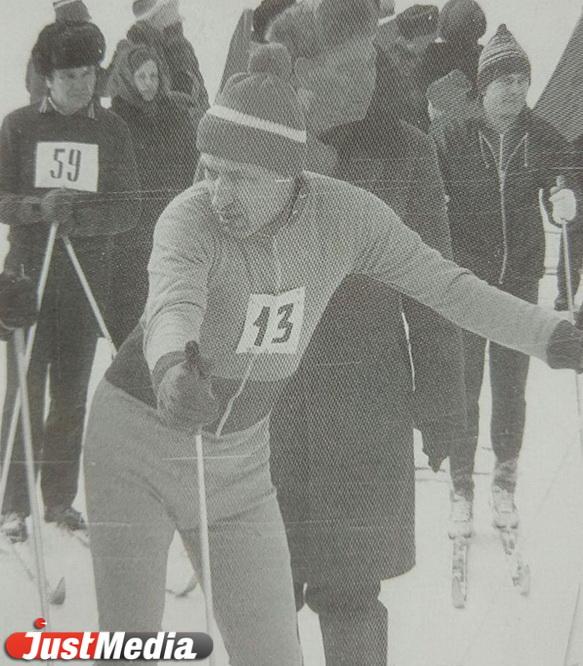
[461, 21]
[418, 21]
[67, 45]
[265, 14]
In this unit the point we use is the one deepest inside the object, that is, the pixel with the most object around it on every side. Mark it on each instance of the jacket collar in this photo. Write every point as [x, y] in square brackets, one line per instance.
[47, 106]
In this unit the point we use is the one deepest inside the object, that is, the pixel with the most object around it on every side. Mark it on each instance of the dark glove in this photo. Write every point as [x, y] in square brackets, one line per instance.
[57, 208]
[438, 440]
[185, 396]
[579, 319]
[17, 302]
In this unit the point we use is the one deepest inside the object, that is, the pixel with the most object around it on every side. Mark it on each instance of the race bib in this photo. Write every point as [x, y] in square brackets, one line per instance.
[65, 164]
[273, 323]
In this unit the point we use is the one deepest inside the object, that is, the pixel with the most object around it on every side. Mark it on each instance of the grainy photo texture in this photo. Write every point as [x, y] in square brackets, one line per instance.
[291, 329]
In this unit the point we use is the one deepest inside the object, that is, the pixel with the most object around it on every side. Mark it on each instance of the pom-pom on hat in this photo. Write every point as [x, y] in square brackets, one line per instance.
[502, 55]
[74, 11]
[257, 118]
[67, 45]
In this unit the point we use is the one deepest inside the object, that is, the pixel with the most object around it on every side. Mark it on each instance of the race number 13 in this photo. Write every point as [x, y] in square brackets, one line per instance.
[67, 164]
[273, 323]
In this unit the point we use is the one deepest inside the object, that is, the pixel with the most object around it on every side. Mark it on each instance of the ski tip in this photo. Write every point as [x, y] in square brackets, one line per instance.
[58, 594]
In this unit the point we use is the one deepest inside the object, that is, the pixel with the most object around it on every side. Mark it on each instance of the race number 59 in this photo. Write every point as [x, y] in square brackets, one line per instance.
[273, 323]
[66, 164]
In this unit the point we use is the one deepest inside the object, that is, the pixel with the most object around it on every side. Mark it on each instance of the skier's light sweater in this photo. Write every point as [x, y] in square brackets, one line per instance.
[201, 281]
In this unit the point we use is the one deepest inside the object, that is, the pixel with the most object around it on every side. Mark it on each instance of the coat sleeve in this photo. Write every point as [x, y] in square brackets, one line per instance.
[15, 208]
[436, 348]
[117, 208]
[178, 275]
[389, 251]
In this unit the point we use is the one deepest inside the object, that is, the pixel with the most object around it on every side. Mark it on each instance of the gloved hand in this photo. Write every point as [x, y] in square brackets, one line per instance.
[564, 204]
[57, 208]
[17, 302]
[185, 396]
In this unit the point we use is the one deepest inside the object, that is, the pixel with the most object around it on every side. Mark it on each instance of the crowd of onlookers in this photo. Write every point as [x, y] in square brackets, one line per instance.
[412, 107]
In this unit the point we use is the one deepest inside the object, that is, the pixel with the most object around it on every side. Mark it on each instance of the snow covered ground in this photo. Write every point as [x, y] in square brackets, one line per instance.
[498, 627]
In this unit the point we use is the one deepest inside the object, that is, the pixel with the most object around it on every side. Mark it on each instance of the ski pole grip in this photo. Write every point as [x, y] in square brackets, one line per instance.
[561, 182]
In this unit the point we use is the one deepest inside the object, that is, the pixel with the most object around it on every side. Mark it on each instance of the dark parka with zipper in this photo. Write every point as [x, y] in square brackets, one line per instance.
[493, 184]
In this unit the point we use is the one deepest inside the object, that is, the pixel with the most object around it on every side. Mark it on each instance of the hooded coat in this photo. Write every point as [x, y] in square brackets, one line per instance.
[342, 431]
[166, 156]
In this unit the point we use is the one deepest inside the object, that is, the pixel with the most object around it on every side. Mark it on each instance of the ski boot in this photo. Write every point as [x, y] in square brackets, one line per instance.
[65, 516]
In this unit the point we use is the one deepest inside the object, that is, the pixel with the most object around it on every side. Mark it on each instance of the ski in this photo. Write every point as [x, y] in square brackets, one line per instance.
[56, 594]
[459, 571]
[519, 569]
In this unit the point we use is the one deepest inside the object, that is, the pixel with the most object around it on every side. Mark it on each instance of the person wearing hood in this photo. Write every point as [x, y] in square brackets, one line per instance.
[342, 456]
[159, 25]
[66, 11]
[494, 167]
[166, 155]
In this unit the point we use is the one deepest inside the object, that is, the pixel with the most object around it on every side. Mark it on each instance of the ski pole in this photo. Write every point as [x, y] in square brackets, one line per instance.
[88, 292]
[41, 574]
[571, 303]
[40, 293]
[191, 353]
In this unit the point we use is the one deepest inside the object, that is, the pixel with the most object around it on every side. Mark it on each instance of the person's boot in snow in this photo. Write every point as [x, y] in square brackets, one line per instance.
[65, 516]
[504, 511]
[14, 527]
[461, 518]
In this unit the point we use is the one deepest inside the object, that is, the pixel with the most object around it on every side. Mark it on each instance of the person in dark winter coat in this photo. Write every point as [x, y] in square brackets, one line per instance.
[159, 26]
[494, 167]
[66, 11]
[166, 154]
[342, 430]
[461, 24]
[65, 162]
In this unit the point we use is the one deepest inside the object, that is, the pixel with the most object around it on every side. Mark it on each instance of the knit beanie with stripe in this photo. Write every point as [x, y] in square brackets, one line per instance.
[73, 11]
[257, 118]
[502, 55]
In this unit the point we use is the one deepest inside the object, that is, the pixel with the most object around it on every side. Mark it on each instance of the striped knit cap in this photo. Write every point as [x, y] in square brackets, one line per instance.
[502, 55]
[257, 118]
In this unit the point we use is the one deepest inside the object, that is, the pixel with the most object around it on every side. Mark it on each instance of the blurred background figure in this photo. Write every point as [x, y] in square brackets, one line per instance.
[166, 155]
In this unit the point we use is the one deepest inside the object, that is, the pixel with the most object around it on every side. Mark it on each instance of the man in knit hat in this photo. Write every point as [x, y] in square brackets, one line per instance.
[64, 161]
[243, 266]
[493, 167]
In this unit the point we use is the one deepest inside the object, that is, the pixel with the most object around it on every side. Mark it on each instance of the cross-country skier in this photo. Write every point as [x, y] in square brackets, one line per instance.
[68, 162]
[244, 264]
[493, 167]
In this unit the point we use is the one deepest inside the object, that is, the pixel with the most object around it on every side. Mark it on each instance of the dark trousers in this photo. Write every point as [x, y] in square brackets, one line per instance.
[353, 622]
[575, 235]
[508, 375]
[63, 353]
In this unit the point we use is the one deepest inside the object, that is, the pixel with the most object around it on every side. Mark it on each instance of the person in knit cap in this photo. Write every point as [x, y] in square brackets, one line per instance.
[66, 11]
[66, 163]
[243, 266]
[159, 26]
[494, 166]
[166, 155]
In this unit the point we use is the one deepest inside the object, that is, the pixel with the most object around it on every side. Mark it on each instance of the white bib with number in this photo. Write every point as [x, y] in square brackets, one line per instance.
[74, 166]
[273, 323]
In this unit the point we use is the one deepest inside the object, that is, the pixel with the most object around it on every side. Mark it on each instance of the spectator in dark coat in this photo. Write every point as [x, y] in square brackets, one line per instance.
[159, 26]
[461, 24]
[166, 155]
[342, 431]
